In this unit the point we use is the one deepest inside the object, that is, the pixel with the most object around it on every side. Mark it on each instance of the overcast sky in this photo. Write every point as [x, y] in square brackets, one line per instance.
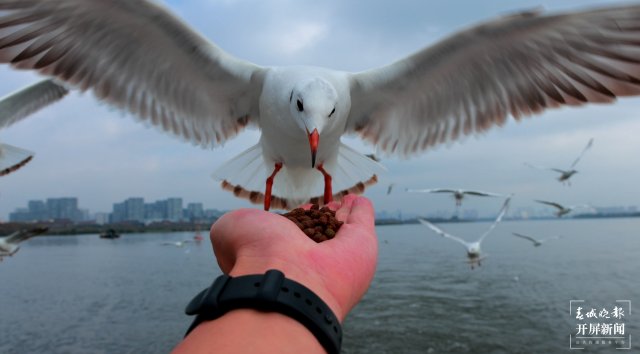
[85, 149]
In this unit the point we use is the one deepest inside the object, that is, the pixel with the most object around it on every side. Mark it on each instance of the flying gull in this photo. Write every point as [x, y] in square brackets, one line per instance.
[135, 55]
[565, 175]
[9, 245]
[17, 106]
[458, 194]
[562, 210]
[536, 242]
[474, 253]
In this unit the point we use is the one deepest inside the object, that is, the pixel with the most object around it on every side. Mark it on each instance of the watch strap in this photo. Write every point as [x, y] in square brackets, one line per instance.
[269, 292]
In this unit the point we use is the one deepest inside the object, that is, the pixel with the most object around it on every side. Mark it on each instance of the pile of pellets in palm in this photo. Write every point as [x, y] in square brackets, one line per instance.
[320, 224]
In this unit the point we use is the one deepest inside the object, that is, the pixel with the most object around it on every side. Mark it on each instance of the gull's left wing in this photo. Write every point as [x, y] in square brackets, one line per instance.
[529, 238]
[483, 194]
[516, 65]
[555, 205]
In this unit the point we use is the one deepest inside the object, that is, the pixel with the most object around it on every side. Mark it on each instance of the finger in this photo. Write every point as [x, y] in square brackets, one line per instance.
[306, 206]
[345, 208]
[362, 213]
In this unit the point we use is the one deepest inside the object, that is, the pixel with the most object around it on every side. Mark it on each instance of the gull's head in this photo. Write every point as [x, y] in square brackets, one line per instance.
[313, 104]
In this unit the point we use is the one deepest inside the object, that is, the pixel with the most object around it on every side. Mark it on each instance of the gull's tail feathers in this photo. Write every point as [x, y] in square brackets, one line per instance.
[12, 158]
[245, 176]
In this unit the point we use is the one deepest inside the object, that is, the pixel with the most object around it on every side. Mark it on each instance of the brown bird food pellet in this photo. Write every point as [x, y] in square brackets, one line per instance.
[319, 224]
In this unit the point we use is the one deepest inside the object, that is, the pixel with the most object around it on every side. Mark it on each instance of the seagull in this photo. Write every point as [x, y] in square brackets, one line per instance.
[536, 242]
[176, 243]
[9, 245]
[565, 175]
[562, 210]
[138, 57]
[17, 106]
[458, 194]
[474, 253]
[390, 188]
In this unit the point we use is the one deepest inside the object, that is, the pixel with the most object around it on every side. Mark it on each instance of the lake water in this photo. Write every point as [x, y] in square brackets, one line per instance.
[82, 294]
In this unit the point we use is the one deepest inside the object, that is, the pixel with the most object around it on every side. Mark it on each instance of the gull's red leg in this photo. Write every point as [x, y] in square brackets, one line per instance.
[267, 193]
[328, 193]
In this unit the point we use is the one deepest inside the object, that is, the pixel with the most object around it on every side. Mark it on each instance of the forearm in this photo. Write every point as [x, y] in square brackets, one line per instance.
[250, 331]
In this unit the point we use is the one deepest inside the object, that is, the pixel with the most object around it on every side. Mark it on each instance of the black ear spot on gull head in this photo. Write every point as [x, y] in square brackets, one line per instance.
[332, 112]
[291, 96]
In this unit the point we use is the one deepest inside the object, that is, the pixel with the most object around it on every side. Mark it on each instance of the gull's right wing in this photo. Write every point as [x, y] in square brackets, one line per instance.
[443, 233]
[589, 144]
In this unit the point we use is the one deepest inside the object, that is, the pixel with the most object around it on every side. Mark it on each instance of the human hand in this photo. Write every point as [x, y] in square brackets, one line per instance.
[251, 241]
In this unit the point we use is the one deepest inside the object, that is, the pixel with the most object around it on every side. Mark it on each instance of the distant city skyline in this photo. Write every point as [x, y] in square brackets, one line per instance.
[137, 209]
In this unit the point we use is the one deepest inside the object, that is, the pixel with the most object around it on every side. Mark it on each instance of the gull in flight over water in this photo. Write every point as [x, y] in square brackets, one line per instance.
[458, 194]
[562, 210]
[176, 243]
[536, 242]
[137, 56]
[565, 175]
[9, 245]
[17, 106]
[474, 253]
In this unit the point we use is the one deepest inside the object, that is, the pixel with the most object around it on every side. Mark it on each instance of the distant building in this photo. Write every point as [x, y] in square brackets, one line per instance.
[101, 218]
[194, 211]
[174, 209]
[131, 209]
[63, 209]
[20, 215]
[38, 210]
[53, 208]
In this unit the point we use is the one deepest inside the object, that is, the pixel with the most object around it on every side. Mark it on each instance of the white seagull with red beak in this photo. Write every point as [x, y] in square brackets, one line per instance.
[138, 57]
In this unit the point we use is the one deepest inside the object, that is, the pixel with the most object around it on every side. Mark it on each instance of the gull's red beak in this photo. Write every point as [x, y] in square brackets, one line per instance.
[313, 143]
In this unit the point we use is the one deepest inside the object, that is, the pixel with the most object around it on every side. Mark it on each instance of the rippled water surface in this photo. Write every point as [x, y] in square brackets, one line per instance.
[81, 294]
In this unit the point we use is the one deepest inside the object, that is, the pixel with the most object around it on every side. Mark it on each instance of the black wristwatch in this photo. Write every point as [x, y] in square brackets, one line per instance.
[271, 292]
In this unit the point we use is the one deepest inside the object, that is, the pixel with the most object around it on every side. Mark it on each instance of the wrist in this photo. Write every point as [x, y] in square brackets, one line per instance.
[306, 277]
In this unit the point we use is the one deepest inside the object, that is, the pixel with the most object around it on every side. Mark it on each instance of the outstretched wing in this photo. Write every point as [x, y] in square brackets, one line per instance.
[517, 65]
[582, 153]
[442, 233]
[526, 237]
[555, 205]
[136, 56]
[19, 105]
[23, 235]
[436, 190]
[505, 207]
[543, 168]
[482, 194]
[551, 238]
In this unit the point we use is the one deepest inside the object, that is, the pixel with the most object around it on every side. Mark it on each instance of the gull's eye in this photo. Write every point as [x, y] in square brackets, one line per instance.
[300, 106]
[332, 112]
